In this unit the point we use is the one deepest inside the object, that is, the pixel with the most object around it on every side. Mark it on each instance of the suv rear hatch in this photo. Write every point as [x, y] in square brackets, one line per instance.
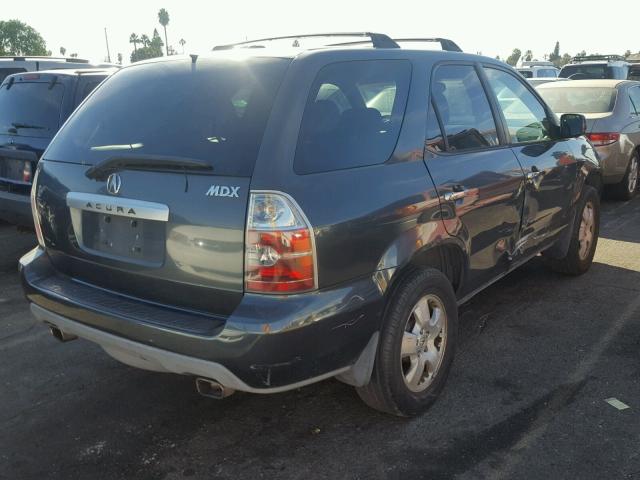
[30, 111]
[144, 191]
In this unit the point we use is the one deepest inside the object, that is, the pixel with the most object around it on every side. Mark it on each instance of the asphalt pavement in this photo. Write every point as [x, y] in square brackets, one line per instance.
[540, 354]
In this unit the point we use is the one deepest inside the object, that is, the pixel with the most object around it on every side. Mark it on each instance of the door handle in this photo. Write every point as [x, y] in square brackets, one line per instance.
[453, 196]
[533, 174]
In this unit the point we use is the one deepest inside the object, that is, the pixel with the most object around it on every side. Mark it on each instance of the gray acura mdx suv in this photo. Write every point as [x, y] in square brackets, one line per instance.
[264, 218]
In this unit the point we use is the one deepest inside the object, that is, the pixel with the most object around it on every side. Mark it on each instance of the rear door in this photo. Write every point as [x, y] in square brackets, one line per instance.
[549, 164]
[122, 205]
[479, 181]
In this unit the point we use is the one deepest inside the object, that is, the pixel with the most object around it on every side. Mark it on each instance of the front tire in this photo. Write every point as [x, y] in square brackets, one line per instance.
[628, 187]
[417, 345]
[584, 238]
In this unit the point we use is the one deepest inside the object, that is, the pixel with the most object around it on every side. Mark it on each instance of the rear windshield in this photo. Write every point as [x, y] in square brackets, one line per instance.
[30, 109]
[526, 73]
[213, 110]
[579, 99]
[587, 72]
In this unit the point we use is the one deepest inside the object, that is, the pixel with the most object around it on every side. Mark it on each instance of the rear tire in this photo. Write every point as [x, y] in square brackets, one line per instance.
[584, 238]
[628, 187]
[417, 345]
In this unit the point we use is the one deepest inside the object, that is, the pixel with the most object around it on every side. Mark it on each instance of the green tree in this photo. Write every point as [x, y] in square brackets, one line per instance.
[514, 57]
[555, 55]
[163, 18]
[119, 59]
[182, 43]
[151, 48]
[627, 53]
[133, 38]
[528, 56]
[18, 38]
[566, 58]
[63, 51]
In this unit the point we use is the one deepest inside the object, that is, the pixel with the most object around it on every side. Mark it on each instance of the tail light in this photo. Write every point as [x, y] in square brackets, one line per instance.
[602, 139]
[34, 210]
[27, 172]
[280, 254]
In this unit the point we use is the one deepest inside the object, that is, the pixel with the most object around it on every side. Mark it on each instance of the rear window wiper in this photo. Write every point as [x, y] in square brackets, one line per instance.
[102, 169]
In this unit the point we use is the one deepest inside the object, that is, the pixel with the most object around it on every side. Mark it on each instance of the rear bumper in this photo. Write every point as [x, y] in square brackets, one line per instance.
[268, 344]
[16, 209]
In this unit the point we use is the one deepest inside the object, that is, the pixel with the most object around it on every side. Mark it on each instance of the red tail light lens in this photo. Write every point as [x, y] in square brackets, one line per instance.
[280, 247]
[602, 139]
[27, 172]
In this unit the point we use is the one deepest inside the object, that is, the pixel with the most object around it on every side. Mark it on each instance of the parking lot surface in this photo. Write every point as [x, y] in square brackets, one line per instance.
[540, 354]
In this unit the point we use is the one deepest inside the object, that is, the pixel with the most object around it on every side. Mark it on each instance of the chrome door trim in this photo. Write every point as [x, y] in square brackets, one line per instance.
[118, 206]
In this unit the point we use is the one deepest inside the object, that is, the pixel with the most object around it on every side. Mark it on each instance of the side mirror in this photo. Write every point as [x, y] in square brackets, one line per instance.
[572, 125]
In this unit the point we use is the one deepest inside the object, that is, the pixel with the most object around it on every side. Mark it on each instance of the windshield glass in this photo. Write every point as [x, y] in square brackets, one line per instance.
[579, 99]
[213, 110]
[526, 72]
[30, 109]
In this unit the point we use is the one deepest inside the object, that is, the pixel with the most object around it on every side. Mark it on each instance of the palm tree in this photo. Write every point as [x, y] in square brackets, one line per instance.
[163, 18]
[144, 40]
[133, 38]
[63, 51]
[182, 42]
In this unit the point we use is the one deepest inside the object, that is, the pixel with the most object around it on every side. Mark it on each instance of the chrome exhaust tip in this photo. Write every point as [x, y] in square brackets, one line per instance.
[212, 389]
[60, 335]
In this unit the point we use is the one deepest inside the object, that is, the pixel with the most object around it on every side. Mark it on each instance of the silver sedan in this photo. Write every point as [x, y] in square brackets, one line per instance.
[612, 110]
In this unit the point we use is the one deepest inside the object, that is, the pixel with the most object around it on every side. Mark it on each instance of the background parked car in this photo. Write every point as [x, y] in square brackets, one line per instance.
[15, 64]
[634, 71]
[612, 110]
[33, 106]
[535, 69]
[596, 67]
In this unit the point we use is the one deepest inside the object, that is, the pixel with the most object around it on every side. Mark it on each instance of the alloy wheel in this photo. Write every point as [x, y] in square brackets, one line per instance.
[587, 231]
[423, 343]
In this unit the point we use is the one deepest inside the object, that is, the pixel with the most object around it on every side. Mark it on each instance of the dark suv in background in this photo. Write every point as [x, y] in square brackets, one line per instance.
[33, 106]
[265, 218]
[592, 67]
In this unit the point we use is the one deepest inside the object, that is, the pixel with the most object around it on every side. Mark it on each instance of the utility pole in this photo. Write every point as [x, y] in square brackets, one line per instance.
[106, 39]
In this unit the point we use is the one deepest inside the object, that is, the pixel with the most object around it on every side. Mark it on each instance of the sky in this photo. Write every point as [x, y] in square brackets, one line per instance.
[492, 27]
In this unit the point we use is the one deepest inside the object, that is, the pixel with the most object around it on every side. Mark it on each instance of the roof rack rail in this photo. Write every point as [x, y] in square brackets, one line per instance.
[445, 43]
[22, 58]
[378, 40]
[582, 58]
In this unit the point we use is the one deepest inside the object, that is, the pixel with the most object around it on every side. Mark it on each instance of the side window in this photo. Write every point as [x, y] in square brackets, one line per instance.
[353, 115]
[434, 139]
[634, 95]
[463, 107]
[525, 115]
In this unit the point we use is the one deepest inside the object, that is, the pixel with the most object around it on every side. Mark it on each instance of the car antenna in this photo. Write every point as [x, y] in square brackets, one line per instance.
[194, 57]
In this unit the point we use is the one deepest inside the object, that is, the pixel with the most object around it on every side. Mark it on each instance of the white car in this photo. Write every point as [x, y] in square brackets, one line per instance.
[19, 64]
[537, 69]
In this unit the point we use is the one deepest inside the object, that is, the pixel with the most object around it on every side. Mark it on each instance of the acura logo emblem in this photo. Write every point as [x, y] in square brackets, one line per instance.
[114, 182]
